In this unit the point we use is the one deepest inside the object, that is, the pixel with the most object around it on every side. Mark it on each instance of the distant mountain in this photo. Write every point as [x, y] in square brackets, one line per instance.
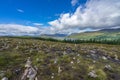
[101, 34]
[110, 30]
[53, 35]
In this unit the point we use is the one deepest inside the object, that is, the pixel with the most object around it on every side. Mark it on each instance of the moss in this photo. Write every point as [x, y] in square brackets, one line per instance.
[101, 74]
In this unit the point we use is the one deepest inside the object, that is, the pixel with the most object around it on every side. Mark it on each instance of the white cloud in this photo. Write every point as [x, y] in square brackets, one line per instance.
[38, 24]
[21, 30]
[96, 14]
[20, 10]
[15, 29]
[74, 2]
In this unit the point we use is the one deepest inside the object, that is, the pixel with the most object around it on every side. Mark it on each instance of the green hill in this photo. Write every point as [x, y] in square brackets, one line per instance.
[108, 34]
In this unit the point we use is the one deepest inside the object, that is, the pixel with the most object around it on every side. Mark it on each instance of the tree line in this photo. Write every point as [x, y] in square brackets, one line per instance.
[75, 41]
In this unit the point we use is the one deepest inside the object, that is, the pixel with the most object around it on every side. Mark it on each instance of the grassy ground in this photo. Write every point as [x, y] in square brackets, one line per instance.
[96, 35]
[74, 60]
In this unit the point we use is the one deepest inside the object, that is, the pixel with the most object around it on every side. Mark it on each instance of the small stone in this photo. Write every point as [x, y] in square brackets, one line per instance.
[55, 61]
[74, 58]
[59, 70]
[28, 63]
[53, 74]
[92, 51]
[108, 67]
[4, 78]
[78, 61]
[31, 73]
[94, 61]
[92, 74]
[104, 58]
[78, 55]
[116, 57]
[71, 62]
[88, 55]
[64, 53]
[52, 77]
[17, 47]
[75, 45]
[93, 55]
[2, 73]
[108, 57]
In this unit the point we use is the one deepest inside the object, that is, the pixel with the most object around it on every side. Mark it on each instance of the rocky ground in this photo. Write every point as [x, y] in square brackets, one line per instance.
[59, 61]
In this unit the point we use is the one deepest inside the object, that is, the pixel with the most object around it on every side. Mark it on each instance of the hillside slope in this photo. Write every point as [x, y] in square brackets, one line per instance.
[108, 34]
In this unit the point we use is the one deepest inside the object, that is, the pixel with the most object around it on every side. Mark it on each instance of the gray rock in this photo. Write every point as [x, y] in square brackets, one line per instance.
[4, 78]
[92, 51]
[31, 73]
[78, 54]
[64, 53]
[116, 57]
[94, 61]
[59, 70]
[78, 61]
[104, 58]
[108, 67]
[72, 62]
[2, 73]
[74, 58]
[88, 56]
[28, 63]
[55, 61]
[92, 74]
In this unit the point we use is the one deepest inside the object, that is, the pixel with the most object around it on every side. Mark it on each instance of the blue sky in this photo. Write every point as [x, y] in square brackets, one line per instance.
[35, 17]
[38, 11]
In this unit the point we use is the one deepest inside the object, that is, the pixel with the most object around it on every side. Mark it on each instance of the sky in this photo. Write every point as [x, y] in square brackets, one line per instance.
[36, 17]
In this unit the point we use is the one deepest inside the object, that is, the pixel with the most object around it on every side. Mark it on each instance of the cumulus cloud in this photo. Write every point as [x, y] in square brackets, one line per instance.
[21, 30]
[95, 14]
[38, 24]
[74, 2]
[20, 10]
[15, 29]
